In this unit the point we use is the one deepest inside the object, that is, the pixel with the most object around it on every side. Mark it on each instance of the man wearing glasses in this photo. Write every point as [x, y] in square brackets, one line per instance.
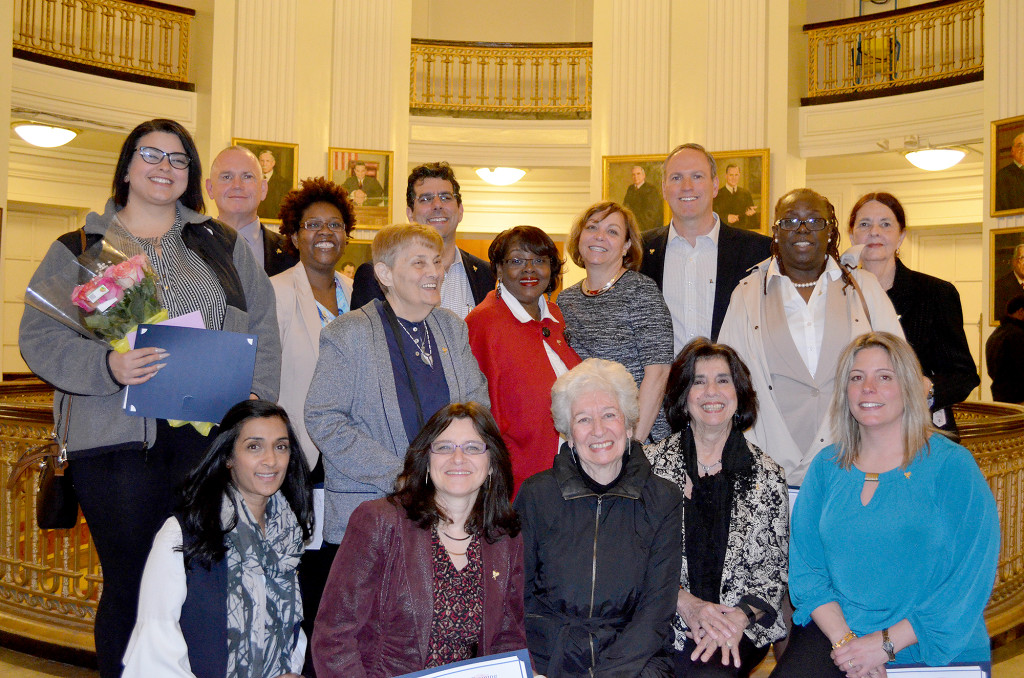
[237, 186]
[433, 199]
[697, 260]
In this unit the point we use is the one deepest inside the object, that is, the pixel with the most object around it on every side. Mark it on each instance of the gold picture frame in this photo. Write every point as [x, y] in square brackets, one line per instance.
[1006, 180]
[282, 160]
[1002, 282]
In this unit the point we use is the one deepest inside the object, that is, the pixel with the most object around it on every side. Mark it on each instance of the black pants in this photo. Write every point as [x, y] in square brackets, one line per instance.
[750, 657]
[126, 495]
[807, 655]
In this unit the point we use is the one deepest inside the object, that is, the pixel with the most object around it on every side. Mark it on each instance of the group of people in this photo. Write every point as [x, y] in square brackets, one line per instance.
[606, 482]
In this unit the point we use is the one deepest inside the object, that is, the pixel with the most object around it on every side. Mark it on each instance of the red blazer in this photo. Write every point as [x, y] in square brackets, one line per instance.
[519, 378]
[375, 614]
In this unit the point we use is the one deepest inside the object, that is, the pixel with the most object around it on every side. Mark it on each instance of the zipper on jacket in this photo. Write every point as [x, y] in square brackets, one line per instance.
[593, 580]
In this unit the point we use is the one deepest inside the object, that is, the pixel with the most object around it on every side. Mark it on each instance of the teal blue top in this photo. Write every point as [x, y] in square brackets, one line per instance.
[924, 549]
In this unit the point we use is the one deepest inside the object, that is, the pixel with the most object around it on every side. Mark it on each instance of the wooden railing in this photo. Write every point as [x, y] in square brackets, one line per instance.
[141, 39]
[932, 45]
[484, 79]
[50, 580]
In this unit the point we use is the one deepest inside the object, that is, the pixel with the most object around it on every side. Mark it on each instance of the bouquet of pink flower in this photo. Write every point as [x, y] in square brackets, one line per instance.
[118, 294]
[119, 298]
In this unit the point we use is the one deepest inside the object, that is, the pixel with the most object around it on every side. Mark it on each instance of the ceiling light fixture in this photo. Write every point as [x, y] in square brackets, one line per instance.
[44, 136]
[935, 159]
[501, 176]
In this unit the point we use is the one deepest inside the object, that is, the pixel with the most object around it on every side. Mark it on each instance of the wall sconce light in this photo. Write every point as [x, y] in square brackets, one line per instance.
[42, 135]
[501, 176]
[935, 159]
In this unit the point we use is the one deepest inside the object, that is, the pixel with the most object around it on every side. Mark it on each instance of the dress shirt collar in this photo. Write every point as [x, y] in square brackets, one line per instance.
[711, 235]
[520, 313]
[832, 270]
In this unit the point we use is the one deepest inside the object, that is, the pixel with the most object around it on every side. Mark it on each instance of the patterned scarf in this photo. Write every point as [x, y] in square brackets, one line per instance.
[264, 605]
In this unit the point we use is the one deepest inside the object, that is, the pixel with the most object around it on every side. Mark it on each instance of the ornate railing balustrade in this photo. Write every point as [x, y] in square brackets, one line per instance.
[141, 40]
[485, 79]
[50, 580]
[921, 47]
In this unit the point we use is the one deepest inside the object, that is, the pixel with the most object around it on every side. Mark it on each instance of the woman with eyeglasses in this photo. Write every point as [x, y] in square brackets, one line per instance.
[125, 469]
[315, 220]
[616, 312]
[789, 321]
[518, 338]
[433, 573]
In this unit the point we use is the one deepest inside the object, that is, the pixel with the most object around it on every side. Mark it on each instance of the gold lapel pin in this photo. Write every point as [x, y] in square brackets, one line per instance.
[650, 251]
[907, 474]
[495, 574]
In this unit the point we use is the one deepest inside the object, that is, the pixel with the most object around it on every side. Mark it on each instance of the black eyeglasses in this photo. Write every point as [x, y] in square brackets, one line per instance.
[154, 156]
[812, 224]
[316, 224]
[516, 262]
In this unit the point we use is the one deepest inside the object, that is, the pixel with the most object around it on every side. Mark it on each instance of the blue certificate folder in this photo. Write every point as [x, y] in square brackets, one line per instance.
[207, 372]
[507, 665]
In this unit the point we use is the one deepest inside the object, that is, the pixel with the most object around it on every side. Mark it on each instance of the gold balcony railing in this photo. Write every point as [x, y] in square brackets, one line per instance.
[484, 79]
[932, 45]
[50, 580]
[147, 40]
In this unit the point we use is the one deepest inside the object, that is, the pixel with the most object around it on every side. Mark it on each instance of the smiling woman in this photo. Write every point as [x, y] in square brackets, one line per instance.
[788, 321]
[518, 338]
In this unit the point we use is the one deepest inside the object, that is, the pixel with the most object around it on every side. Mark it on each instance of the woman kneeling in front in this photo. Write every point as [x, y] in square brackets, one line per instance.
[433, 573]
[600, 537]
[895, 534]
[220, 596]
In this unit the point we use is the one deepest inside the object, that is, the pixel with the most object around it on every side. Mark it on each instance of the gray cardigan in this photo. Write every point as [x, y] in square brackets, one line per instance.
[77, 366]
[352, 411]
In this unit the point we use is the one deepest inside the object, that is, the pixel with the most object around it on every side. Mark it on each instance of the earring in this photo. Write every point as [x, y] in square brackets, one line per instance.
[736, 418]
[426, 480]
[497, 290]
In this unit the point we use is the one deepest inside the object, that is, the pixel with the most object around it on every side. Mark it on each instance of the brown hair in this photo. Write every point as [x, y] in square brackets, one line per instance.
[634, 255]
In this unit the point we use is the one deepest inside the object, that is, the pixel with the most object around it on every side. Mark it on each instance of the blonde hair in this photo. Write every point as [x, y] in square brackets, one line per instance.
[634, 255]
[391, 239]
[917, 426]
[594, 374]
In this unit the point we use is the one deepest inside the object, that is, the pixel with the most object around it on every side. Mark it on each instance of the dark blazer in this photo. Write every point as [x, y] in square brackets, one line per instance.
[378, 604]
[738, 251]
[1010, 188]
[1004, 354]
[1006, 288]
[933, 322]
[276, 256]
[277, 187]
[365, 288]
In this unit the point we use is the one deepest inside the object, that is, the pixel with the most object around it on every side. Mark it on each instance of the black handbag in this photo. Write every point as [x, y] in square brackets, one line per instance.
[56, 501]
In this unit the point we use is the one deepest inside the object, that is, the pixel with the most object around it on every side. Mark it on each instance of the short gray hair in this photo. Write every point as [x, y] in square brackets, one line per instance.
[594, 374]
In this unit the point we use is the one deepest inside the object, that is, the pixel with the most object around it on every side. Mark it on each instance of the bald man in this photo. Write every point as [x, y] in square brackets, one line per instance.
[237, 186]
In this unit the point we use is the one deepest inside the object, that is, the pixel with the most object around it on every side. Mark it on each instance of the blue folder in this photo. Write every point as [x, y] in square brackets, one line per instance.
[206, 372]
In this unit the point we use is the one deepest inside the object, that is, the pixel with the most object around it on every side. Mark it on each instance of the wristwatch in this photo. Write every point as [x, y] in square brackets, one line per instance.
[887, 645]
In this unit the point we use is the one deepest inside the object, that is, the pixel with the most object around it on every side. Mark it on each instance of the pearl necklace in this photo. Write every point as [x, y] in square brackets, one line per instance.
[607, 285]
[805, 285]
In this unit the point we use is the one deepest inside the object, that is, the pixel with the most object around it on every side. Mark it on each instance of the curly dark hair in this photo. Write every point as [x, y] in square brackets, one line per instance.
[530, 239]
[310, 192]
[831, 250]
[492, 515]
[204, 488]
[431, 170]
[683, 372]
[192, 198]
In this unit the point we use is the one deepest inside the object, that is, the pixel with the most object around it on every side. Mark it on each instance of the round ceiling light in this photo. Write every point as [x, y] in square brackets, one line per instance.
[501, 176]
[44, 136]
[935, 159]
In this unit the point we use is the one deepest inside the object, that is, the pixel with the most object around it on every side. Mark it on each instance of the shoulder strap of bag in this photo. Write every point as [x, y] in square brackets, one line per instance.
[863, 301]
[48, 452]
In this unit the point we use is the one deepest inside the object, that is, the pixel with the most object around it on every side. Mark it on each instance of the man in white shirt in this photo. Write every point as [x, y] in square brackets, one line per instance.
[237, 186]
[696, 260]
[433, 199]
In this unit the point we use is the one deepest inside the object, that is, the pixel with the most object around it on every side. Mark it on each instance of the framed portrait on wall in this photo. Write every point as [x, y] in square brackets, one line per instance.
[1006, 269]
[366, 175]
[1007, 179]
[743, 189]
[635, 181]
[280, 164]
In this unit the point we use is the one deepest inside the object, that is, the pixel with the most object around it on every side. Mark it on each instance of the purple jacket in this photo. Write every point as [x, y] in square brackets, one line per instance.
[375, 615]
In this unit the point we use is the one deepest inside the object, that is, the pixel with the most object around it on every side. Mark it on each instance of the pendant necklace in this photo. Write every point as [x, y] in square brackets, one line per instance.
[707, 469]
[424, 353]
